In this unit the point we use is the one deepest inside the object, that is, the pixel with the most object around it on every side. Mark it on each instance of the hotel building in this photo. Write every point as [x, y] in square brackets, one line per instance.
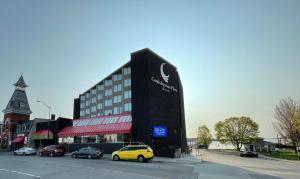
[142, 101]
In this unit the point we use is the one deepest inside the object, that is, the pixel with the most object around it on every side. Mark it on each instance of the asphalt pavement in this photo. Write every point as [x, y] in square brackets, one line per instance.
[24, 167]
[189, 167]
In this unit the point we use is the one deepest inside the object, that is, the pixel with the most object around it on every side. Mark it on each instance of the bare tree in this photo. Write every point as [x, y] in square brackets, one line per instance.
[287, 123]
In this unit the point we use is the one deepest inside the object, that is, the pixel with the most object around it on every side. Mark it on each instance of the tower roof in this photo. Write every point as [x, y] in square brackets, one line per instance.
[21, 83]
[18, 103]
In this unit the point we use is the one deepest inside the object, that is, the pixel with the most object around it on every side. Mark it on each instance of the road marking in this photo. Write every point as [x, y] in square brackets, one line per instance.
[149, 176]
[22, 173]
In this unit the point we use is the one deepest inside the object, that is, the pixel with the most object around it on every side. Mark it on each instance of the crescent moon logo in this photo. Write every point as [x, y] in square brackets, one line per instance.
[164, 76]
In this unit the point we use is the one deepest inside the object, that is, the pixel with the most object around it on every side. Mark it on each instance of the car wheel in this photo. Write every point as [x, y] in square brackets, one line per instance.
[74, 156]
[116, 158]
[51, 154]
[89, 156]
[141, 158]
[23, 153]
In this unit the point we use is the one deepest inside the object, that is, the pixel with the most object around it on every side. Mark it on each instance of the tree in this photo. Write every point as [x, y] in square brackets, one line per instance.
[237, 131]
[287, 120]
[204, 137]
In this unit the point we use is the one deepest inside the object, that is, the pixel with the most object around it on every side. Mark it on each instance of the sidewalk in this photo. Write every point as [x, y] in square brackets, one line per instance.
[188, 159]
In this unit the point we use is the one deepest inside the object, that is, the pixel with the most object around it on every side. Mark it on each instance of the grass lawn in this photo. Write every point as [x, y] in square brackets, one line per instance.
[283, 154]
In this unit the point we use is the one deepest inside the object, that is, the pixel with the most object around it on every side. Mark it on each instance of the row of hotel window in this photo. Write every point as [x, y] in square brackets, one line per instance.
[116, 110]
[118, 87]
[107, 102]
[108, 92]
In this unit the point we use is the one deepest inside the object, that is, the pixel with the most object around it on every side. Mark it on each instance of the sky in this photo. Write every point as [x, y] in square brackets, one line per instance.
[235, 58]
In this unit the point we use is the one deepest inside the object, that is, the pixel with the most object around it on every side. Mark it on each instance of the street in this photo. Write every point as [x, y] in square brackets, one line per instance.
[214, 165]
[25, 167]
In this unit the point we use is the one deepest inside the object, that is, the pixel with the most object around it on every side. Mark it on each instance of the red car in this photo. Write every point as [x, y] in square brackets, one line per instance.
[52, 151]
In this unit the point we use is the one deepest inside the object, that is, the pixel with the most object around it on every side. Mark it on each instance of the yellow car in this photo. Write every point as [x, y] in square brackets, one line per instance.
[141, 153]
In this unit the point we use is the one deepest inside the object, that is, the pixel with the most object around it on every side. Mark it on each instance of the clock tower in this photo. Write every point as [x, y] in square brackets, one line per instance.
[16, 112]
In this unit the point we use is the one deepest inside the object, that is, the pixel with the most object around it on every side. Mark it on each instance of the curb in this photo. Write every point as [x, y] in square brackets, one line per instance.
[278, 159]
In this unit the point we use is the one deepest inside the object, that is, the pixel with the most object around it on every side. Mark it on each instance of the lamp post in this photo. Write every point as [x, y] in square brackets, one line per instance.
[49, 108]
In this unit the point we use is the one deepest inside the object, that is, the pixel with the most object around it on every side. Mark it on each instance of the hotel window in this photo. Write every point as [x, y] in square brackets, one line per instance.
[100, 105]
[127, 107]
[94, 99]
[87, 103]
[127, 82]
[87, 95]
[100, 87]
[117, 99]
[108, 92]
[87, 111]
[94, 91]
[127, 94]
[82, 113]
[82, 98]
[108, 112]
[108, 82]
[94, 109]
[100, 96]
[117, 110]
[118, 88]
[117, 77]
[100, 114]
[108, 102]
[126, 70]
[82, 105]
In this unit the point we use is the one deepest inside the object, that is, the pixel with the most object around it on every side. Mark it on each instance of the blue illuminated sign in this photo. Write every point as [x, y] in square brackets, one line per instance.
[160, 131]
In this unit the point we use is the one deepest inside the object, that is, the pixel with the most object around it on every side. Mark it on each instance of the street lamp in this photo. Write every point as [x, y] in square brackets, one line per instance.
[49, 108]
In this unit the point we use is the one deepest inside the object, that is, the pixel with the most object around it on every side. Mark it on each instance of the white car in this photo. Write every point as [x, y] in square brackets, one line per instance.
[25, 151]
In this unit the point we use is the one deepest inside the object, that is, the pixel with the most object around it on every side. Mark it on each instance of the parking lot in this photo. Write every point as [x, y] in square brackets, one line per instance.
[23, 167]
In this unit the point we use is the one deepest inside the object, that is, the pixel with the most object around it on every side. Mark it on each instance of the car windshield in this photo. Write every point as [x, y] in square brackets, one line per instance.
[124, 149]
[83, 149]
[50, 147]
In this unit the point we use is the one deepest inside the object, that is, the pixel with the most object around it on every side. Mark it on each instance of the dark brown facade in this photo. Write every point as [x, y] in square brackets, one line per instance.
[157, 100]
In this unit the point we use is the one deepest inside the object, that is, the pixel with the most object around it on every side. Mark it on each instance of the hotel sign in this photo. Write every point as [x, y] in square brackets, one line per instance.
[160, 131]
[164, 86]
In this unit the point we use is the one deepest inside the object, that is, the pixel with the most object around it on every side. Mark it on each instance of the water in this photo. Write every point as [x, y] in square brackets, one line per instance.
[218, 145]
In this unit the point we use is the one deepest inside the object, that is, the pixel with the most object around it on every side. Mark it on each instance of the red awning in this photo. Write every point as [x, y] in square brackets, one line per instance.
[42, 134]
[19, 139]
[100, 129]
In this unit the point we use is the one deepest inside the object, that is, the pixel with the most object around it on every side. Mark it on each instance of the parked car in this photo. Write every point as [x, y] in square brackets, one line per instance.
[248, 154]
[141, 153]
[87, 152]
[52, 150]
[25, 151]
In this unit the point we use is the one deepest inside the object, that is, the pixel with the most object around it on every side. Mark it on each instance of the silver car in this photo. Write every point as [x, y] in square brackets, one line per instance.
[25, 151]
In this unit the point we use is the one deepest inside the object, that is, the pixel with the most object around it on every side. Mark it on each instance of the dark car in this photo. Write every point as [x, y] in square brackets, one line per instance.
[248, 154]
[87, 152]
[52, 151]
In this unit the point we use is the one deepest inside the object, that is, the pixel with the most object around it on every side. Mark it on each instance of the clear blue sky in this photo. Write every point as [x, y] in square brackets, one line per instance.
[234, 57]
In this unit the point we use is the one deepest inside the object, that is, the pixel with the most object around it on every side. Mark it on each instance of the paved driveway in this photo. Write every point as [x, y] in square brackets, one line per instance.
[261, 166]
